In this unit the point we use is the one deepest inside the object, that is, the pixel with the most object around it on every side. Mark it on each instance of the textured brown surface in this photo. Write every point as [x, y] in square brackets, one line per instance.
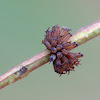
[56, 40]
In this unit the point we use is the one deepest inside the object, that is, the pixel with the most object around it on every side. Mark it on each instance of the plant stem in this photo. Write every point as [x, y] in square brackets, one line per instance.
[22, 70]
[86, 33]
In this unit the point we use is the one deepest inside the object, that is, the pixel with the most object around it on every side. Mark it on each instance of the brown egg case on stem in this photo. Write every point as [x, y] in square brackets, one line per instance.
[56, 40]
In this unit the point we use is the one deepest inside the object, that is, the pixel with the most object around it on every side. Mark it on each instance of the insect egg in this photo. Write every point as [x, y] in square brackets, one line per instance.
[52, 57]
[48, 45]
[58, 62]
[59, 55]
[54, 50]
[59, 47]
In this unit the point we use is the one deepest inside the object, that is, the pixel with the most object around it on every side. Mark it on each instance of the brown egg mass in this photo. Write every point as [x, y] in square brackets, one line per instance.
[56, 40]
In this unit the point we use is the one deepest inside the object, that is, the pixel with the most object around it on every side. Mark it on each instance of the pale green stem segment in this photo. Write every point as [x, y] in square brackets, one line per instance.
[22, 70]
[86, 33]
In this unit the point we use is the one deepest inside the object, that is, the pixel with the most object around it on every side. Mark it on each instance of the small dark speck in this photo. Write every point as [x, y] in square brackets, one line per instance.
[70, 34]
[22, 70]
[76, 44]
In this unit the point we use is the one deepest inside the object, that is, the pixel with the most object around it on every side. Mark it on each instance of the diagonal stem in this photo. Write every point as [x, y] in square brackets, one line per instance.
[22, 70]
[86, 33]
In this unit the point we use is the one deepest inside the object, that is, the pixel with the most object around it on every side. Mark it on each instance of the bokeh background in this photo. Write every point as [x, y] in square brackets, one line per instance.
[22, 26]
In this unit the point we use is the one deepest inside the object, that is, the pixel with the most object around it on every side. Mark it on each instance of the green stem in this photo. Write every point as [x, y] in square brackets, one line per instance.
[86, 33]
[22, 70]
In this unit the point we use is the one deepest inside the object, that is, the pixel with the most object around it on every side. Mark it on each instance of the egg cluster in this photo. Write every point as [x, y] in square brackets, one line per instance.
[56, 40]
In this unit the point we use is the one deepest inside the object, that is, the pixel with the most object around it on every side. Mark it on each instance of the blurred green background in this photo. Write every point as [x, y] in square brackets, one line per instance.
[22, 26]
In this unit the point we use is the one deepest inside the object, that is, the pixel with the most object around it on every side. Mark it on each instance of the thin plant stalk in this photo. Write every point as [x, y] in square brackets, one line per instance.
[22, 70]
